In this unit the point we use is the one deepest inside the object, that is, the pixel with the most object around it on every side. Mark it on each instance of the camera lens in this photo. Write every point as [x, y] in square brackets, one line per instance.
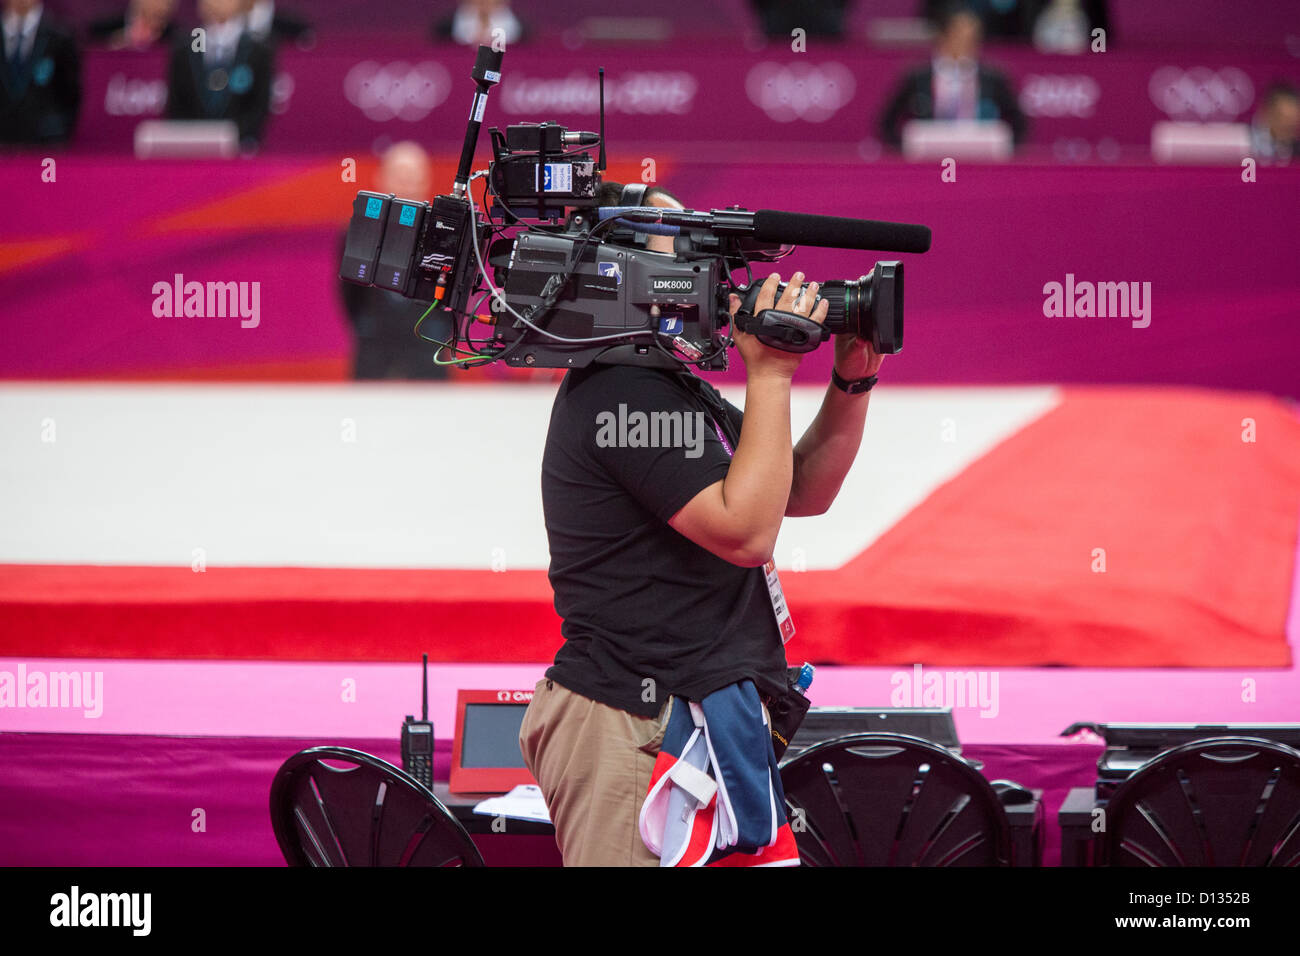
[870, 307]
[846, 298]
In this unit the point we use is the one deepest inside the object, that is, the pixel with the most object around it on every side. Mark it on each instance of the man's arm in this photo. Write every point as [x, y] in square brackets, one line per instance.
[898, 109]
[180, 103]
[68, 79]
[1004, 96]
[252, 118]
[738, 518]
[828, 448]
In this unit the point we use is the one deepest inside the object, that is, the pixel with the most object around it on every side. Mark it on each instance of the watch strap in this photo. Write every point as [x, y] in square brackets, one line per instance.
[855, 387]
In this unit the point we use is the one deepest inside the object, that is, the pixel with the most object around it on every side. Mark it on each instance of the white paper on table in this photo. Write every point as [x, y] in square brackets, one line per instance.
[524, 802]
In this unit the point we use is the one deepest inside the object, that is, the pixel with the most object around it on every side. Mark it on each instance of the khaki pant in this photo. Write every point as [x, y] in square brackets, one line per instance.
[593, 763]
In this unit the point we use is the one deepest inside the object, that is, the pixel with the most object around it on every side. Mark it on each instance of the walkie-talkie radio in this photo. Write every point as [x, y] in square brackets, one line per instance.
[417, 739]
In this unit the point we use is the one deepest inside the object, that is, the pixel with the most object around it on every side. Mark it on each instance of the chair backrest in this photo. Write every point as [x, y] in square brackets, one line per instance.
[368, 813]
[892, 800]
[1223, 801]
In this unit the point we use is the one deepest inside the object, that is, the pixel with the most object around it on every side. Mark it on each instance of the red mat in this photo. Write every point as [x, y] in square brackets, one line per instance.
[1198, 530]
[996, 568]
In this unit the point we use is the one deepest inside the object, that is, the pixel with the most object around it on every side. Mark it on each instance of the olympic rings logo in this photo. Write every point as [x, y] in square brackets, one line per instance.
[398, 90]
[1200, 93]
[790, 91]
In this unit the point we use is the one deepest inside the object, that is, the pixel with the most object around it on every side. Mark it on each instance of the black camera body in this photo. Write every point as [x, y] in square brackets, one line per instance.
[570, 284]
[657, 302]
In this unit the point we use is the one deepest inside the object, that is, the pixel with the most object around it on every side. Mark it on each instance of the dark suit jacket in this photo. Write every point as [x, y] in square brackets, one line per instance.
[286, 26]
[244, 96]
[40, 96]
[383, 331]
[914, 99]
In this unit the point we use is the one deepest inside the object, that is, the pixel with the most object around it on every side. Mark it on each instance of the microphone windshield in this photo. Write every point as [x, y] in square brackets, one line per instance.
[796, 228]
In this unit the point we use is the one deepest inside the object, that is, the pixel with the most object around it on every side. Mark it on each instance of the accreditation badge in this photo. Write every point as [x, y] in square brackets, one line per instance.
[779, 607]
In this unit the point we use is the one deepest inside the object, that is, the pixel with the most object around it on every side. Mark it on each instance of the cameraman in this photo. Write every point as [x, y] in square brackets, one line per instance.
[656, 562]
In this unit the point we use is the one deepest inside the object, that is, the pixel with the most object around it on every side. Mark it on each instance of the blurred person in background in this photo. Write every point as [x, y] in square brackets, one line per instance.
[383, 322]
[1001, 19]
[954, 85]
[229, 79]
[144, 24]
[40, 77]
[1062, 27]
[271, 25]
[1066, 26]
[476, 22]
[1021, 19]
[1274, 130]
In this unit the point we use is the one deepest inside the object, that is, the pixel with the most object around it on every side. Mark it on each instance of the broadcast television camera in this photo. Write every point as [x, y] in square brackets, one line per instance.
[577, 286]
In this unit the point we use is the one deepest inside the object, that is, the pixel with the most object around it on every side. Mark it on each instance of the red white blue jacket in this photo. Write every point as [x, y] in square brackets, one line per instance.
[715, 796]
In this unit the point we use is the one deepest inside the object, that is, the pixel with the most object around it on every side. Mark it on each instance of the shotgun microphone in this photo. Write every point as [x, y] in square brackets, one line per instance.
[804, 229]
[785, 228]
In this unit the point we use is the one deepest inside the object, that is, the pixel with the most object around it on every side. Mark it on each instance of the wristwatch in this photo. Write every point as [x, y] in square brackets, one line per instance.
[856, 387]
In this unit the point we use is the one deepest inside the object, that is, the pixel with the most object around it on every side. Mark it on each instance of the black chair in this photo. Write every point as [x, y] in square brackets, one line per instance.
[1223, 801]
[892, 800]
[367, 814]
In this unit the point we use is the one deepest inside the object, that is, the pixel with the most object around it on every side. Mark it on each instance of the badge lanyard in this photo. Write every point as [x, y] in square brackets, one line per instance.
[779, 607]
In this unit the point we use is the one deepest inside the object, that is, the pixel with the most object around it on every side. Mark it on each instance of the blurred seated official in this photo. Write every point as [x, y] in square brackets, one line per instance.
[144, 24]
[1273, 131]
[1004, 19]
[40, 76]
[1022, 19]
[385, 345]
[229, 79]
[486, 22]
[1062, 27]
[954, 85]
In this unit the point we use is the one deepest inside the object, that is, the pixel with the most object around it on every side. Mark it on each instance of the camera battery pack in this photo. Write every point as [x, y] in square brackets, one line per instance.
[365, 236]
[396, 268]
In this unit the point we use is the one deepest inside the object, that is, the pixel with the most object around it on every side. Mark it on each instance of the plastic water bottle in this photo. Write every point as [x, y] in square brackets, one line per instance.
[805, 678]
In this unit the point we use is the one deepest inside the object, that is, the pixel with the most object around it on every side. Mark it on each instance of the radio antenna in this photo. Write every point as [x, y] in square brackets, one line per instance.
[601, 167]
[424, 710]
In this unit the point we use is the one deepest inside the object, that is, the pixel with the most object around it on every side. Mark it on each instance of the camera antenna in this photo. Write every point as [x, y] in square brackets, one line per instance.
[424, 687]
[601, 167]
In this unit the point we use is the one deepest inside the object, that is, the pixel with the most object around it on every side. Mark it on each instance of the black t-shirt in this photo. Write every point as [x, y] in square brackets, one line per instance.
[640, 601]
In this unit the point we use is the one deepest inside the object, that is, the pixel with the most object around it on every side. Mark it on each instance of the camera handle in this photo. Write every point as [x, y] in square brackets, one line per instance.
[786, 331]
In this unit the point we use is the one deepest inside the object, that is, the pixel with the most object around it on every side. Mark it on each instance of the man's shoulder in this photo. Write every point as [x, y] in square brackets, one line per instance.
[628, 383]
[181, 47]
[56, 31]
[920, 73]
[252, 48]
[591, 395]
[989, 73]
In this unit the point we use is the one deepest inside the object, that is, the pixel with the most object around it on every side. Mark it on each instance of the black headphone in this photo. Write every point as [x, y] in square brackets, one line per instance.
[633, 194]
